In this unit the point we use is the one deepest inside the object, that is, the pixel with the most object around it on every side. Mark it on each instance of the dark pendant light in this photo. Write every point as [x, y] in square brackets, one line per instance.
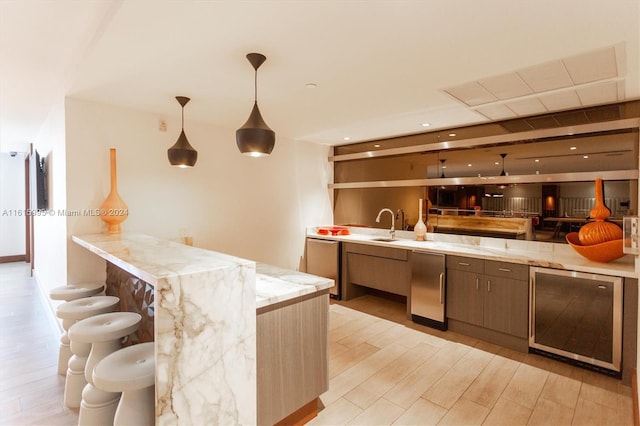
[503, 173]
[442, 166]
[255, 138]
[182, 154]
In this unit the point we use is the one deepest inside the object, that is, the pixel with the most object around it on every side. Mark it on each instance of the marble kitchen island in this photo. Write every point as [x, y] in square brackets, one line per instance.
[231, 336]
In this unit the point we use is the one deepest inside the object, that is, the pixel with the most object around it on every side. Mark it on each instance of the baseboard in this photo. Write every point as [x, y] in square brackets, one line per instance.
[302, 415]
[634, 396]
[11, 259]
[47, 303]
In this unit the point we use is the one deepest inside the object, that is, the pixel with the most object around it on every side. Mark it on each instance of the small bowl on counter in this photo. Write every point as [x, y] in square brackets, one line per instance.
[602, 252]
[332, 230]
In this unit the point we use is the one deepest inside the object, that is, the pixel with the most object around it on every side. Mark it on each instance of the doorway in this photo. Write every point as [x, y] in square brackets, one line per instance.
[16, 224]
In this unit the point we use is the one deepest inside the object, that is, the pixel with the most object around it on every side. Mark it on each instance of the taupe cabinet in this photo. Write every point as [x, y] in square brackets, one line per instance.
[292, 357]
[488, 299]
[382, 268]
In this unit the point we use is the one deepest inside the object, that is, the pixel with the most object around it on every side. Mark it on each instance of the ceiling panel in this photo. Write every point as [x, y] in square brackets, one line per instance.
[602, 93]
[559, 101]
[545, 77]
[604, 114]
[528, 106]
[543, 122]
[496, 112]
[515, 126]
[506, 86]
[571, 118]
[592, 66]
[472, 94]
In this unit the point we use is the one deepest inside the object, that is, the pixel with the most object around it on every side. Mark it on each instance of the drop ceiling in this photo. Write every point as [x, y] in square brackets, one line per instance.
[381, 68]
[592, 78]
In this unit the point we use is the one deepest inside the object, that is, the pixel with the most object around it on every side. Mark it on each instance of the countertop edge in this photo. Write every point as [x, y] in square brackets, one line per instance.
[623, 267]
[273, 284]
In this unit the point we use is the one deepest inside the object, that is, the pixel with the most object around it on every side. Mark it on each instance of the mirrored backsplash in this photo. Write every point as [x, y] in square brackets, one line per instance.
[545, 180]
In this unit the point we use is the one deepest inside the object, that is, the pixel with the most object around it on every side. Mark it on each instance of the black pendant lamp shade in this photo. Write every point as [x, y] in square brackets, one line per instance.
[255, 138]
[182, 154]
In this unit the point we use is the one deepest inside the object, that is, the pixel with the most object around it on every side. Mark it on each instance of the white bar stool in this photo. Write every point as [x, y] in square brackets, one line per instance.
[131, 371]
[105, 333]
[73, 311]
[68, 293]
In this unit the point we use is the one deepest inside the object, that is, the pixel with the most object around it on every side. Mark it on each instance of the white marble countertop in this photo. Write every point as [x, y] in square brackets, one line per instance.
[533, 253]
[151, 258]
[277, 285]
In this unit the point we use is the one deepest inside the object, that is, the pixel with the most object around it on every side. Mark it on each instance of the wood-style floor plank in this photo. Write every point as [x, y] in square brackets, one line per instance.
[384, 370]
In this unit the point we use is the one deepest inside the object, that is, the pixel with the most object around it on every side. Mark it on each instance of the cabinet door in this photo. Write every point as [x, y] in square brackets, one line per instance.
[506, 304]
[384, 274]
[464, 297]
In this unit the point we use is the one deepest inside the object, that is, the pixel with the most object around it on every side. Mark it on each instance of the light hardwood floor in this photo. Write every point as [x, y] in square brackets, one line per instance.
[384, 370]
[387, 370]
[31, 391]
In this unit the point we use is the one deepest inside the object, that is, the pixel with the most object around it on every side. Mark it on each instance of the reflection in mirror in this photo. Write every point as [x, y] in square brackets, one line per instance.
[593, 152]
[584, 153]
[544, 212]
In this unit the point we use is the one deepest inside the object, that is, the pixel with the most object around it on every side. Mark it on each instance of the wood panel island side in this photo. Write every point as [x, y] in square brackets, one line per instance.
[236, 342]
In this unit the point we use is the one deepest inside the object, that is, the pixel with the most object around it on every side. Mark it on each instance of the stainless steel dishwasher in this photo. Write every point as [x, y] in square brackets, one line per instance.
[428, 289]
[323, 259]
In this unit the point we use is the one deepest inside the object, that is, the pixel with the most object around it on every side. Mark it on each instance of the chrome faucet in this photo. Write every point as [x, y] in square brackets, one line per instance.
[392, 231]
[400, 215]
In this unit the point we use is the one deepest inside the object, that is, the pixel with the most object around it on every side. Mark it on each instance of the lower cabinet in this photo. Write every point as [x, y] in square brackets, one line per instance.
[370, 266]
[292, 358]
[488, 299]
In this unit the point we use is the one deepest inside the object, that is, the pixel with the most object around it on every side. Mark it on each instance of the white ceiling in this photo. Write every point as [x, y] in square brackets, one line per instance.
[381, 67]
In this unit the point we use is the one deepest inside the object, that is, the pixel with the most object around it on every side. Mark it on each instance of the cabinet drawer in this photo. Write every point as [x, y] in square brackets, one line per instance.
[371, 250]
[383, 274]
[468, 264]
[507, 270]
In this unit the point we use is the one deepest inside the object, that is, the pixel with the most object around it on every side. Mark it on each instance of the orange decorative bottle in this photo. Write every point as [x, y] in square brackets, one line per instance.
[599, 231]
[113, 209]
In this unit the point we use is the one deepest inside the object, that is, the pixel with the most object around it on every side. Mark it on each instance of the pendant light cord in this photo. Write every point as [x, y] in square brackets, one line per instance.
[255, 86]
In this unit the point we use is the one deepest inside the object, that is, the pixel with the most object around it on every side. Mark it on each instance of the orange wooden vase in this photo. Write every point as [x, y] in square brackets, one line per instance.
[113, 209]
[599, 231]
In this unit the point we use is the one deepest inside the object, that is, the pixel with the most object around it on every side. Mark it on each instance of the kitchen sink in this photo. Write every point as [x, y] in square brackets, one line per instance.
[383, 239]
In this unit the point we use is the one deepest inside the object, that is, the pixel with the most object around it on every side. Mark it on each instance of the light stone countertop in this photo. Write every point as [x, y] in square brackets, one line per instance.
[151, 259]
[277, 285]
[533, 253]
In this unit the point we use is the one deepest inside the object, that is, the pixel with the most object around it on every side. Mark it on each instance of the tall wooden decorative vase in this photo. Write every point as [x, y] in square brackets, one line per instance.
[113, 209]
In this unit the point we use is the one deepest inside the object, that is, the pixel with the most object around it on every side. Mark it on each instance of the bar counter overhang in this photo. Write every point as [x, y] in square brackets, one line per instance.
[204, 322]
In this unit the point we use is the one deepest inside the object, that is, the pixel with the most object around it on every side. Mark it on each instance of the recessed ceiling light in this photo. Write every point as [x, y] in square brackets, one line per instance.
[469, 165]
[346, 138]
[573, 148]
[452, 134]
[426, 124]
[311, 86]
[376, 145]
[496, 163]
[585, 156]
[536, 160]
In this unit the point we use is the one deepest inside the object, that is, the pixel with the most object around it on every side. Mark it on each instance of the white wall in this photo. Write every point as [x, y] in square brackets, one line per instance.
[255, 208]
[49, 232]
[12, 205]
